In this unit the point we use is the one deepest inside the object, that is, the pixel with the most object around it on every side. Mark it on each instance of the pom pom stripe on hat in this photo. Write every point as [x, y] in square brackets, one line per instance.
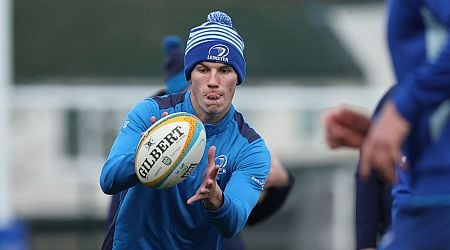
[213, 32]
[215, 41]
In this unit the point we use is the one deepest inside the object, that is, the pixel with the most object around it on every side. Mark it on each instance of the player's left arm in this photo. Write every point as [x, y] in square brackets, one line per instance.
[242, 191]
[276, 190]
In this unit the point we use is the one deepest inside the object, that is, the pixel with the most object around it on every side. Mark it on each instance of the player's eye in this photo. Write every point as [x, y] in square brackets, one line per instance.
[226, 69]
[201, 69]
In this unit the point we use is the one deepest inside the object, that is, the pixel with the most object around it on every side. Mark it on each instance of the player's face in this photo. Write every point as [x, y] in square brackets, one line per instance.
[213, 87]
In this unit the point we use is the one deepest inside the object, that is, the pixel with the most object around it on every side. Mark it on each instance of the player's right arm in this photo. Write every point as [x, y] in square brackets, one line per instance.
[118, 172]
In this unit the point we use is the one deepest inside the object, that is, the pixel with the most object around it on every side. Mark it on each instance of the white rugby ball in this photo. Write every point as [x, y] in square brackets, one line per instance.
[170, 150]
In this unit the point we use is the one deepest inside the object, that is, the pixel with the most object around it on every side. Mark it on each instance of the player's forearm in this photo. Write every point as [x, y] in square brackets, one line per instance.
[118, 174]
[230, 218]
[242, 191]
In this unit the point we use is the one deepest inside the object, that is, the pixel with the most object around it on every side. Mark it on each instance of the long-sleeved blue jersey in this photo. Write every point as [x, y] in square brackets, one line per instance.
[422, 93]
[161, 219]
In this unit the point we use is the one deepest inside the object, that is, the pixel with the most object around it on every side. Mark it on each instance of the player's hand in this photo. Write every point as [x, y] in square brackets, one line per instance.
[345, 127]
[209, 191]
[382, 148]
[153, 120]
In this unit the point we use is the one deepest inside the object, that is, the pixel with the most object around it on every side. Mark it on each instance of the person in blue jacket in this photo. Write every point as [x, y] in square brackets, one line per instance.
[215, 200]
[415, 121]
[410, 130]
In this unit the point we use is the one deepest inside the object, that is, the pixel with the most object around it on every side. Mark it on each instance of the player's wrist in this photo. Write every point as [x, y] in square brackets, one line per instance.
[215, 202]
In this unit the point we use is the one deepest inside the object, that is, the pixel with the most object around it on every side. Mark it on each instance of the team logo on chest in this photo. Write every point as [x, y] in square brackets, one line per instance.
[221, 161]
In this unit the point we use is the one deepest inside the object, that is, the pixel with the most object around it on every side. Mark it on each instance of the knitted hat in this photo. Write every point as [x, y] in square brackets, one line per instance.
[215, 41]
[173, 64]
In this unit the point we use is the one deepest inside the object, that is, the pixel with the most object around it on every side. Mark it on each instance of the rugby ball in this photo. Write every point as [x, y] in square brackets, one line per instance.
[170, 150]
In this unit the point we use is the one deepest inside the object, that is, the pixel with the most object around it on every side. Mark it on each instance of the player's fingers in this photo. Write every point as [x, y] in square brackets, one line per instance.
[387, 173]
[212, 174]
[397, 159]
[332, 142]
[397, 156]
[350, 138]
[341, 136]
[152, 120]
[380, 163]
[383, 163]
[204, 190]
[211, 156]
[164, 114]
[355, 120]
[332, 139]
[194, 198]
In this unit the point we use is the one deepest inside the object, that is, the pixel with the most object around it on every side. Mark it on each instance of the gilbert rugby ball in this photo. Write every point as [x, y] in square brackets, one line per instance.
[170, 150]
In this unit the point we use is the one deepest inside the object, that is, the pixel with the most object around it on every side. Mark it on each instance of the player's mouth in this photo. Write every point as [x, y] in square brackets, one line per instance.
[213, 96]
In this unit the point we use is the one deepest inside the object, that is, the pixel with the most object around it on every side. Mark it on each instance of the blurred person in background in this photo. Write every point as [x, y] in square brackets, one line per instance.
[209, 204]
[175, 79]
[346, 127]
[412, 129]
[279, 181]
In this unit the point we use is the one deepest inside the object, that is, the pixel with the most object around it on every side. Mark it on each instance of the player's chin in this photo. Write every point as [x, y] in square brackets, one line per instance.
[215, 109]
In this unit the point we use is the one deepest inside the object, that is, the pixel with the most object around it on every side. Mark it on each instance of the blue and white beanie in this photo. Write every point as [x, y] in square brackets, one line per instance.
[215, 41]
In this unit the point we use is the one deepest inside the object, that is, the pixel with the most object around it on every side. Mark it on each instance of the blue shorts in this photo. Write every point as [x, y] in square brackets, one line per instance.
[419, 228]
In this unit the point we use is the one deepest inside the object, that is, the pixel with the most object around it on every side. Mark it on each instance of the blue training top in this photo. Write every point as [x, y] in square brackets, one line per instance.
[160, 219]
[422, 93]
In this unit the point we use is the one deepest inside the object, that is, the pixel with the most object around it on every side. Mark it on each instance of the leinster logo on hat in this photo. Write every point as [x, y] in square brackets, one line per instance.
[218, 52]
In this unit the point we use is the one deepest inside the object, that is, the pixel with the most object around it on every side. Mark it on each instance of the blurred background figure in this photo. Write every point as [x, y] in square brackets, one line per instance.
[346, 127]
[409, 132]
[412, 129]
[174, 77]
